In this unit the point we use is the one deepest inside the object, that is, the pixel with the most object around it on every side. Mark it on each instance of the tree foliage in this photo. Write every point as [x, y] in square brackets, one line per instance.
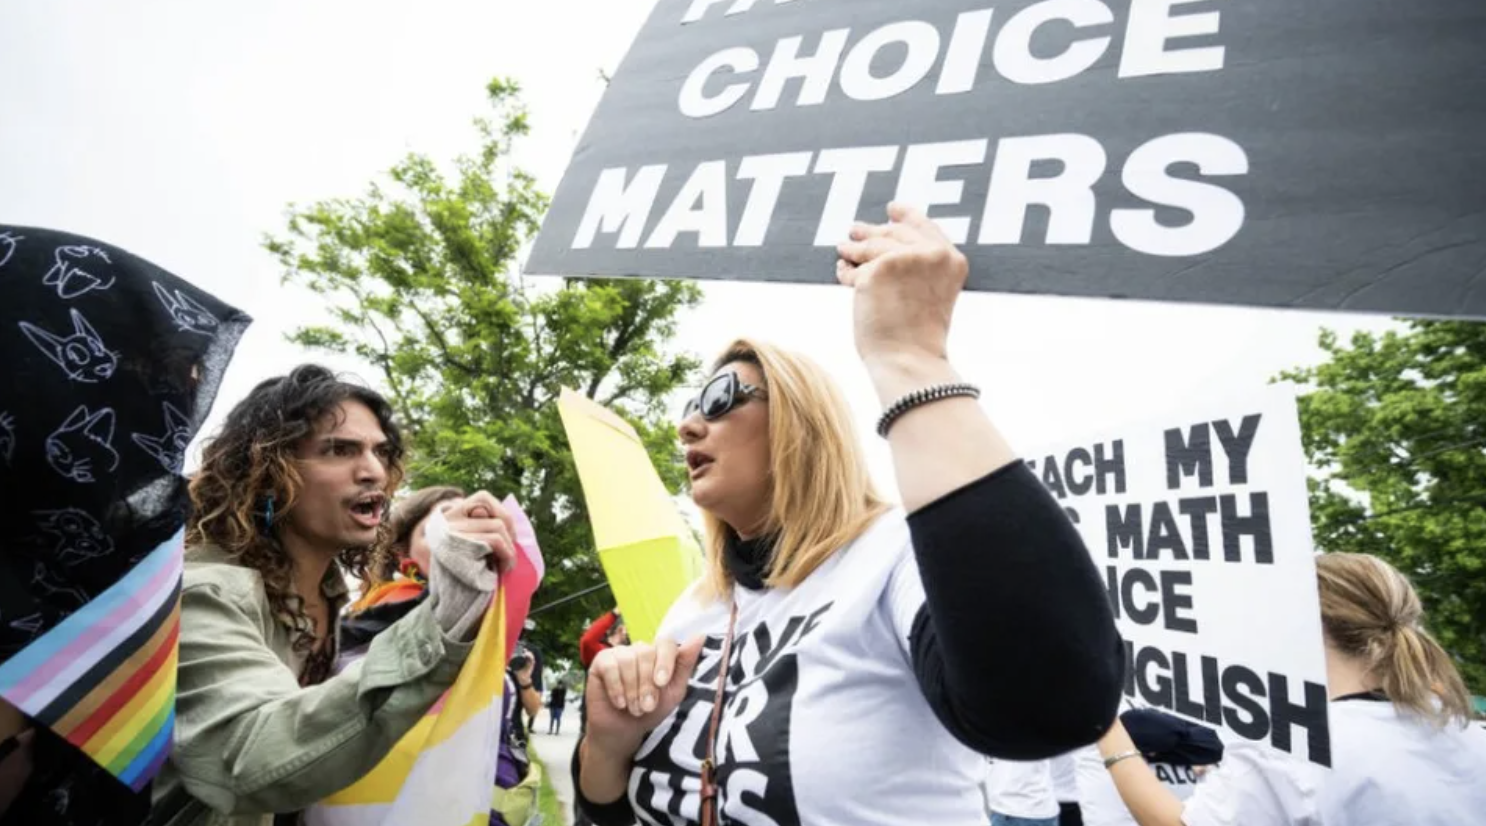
[1397, 424]
[419, 276]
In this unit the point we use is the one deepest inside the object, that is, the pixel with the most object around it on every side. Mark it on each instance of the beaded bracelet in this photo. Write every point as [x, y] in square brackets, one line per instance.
[921, 397]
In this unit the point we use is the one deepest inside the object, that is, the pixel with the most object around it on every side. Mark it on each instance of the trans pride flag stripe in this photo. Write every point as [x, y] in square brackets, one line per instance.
[104, 678]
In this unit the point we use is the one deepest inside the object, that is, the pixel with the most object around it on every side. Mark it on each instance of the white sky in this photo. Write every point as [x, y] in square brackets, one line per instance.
[181, 130]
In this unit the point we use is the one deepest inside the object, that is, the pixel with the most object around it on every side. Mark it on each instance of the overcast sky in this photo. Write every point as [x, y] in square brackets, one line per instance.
[181, 130]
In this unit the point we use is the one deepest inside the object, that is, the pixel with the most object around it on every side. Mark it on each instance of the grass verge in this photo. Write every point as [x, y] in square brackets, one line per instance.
[547, 802]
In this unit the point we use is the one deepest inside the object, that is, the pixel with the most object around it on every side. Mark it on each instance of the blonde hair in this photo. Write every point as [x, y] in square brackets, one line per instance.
[821, 496]
[1371, 612]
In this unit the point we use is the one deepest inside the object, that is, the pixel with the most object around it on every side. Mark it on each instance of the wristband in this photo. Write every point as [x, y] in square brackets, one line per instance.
[525, 686]
[1115, 758]
[921, 397]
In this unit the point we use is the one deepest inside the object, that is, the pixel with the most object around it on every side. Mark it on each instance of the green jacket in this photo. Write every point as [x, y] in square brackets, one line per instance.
[249, 740]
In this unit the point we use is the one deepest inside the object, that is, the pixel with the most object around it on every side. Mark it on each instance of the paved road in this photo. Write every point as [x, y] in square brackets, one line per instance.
[556, 752]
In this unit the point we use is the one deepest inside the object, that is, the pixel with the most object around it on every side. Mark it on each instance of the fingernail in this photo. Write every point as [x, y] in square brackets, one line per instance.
[648, 701]
[619, 702]
[662, 677]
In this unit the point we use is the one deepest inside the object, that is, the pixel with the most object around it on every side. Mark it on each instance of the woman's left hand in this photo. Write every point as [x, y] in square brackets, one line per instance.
[907, 275]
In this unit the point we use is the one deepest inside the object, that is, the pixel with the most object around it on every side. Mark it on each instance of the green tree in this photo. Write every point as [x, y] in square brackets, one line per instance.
[1396, 423]
[420, 280]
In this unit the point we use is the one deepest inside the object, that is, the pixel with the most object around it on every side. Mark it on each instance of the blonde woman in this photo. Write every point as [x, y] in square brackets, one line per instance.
[1401, 744]
[843, 662]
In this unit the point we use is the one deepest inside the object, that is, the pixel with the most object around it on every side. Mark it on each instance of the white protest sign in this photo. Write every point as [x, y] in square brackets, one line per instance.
[1200, 524]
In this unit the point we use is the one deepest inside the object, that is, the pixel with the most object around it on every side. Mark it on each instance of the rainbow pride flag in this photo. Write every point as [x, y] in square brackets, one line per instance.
[104, 678]
[442, 772]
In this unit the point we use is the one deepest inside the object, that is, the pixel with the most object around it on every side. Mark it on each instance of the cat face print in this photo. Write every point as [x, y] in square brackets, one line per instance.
[7, 437]
[83, 446]
[8, 242]
[79, 270]
[82, 356]
[189, 315]
[169, 448]
[48, 585]
[78, 535]
[31, 624]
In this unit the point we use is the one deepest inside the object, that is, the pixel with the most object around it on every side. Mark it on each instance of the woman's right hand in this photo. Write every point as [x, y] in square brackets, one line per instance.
[632, 689]
[481, 518]
[468, 541]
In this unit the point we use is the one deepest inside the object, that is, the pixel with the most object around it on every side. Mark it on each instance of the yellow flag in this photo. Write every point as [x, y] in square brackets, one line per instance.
[648, 552]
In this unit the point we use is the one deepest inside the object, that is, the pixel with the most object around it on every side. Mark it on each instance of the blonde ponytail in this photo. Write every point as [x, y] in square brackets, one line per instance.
[1371, 612]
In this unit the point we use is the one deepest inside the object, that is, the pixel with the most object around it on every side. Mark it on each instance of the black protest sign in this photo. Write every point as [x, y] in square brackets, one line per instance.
[1318, 155]
[1200, 523]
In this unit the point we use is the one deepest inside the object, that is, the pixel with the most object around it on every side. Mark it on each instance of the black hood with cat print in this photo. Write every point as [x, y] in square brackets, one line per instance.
[111, 365]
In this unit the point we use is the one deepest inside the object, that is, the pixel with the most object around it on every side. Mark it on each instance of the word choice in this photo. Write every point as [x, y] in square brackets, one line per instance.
[1156, 41]
[622, 203]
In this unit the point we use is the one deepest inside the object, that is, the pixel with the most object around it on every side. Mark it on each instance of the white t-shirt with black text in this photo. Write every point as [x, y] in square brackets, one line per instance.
[1015, 788]
[1386, 769]
[1065, 778]
[824, 722]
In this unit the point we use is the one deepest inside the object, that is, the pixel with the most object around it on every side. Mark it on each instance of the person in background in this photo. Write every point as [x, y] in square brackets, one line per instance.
[604, 633]
[517, 778]
[1065, 790]
[1401, 747]
[1021, 793]
[1177, 750]
[399, 583]
[535, 679]
[845, 662]
[398, 571]
[557, 700]
[110, 366]
[289, 499]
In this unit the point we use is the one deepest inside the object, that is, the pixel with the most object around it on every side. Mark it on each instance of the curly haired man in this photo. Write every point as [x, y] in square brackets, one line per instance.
[289, 499]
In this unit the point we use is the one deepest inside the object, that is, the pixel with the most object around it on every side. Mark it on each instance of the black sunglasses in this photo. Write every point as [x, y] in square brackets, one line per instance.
[720, 395]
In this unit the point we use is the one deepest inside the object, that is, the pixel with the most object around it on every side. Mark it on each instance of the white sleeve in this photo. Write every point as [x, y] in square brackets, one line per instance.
[1098, 799]
[905, 596]
[686, 617]
[1254, 786]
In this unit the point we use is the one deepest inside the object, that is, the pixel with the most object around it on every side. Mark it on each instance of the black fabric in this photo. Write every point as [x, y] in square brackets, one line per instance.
[1070, 814]
[359, 629]
[1015, 647]
[1166, 738]
[618, 813]
[1374, 696]
[748, 560]
[111, 365]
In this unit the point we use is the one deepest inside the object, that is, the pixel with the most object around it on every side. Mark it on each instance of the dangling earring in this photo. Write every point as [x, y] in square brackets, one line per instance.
[410, 570]
[267, 513]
